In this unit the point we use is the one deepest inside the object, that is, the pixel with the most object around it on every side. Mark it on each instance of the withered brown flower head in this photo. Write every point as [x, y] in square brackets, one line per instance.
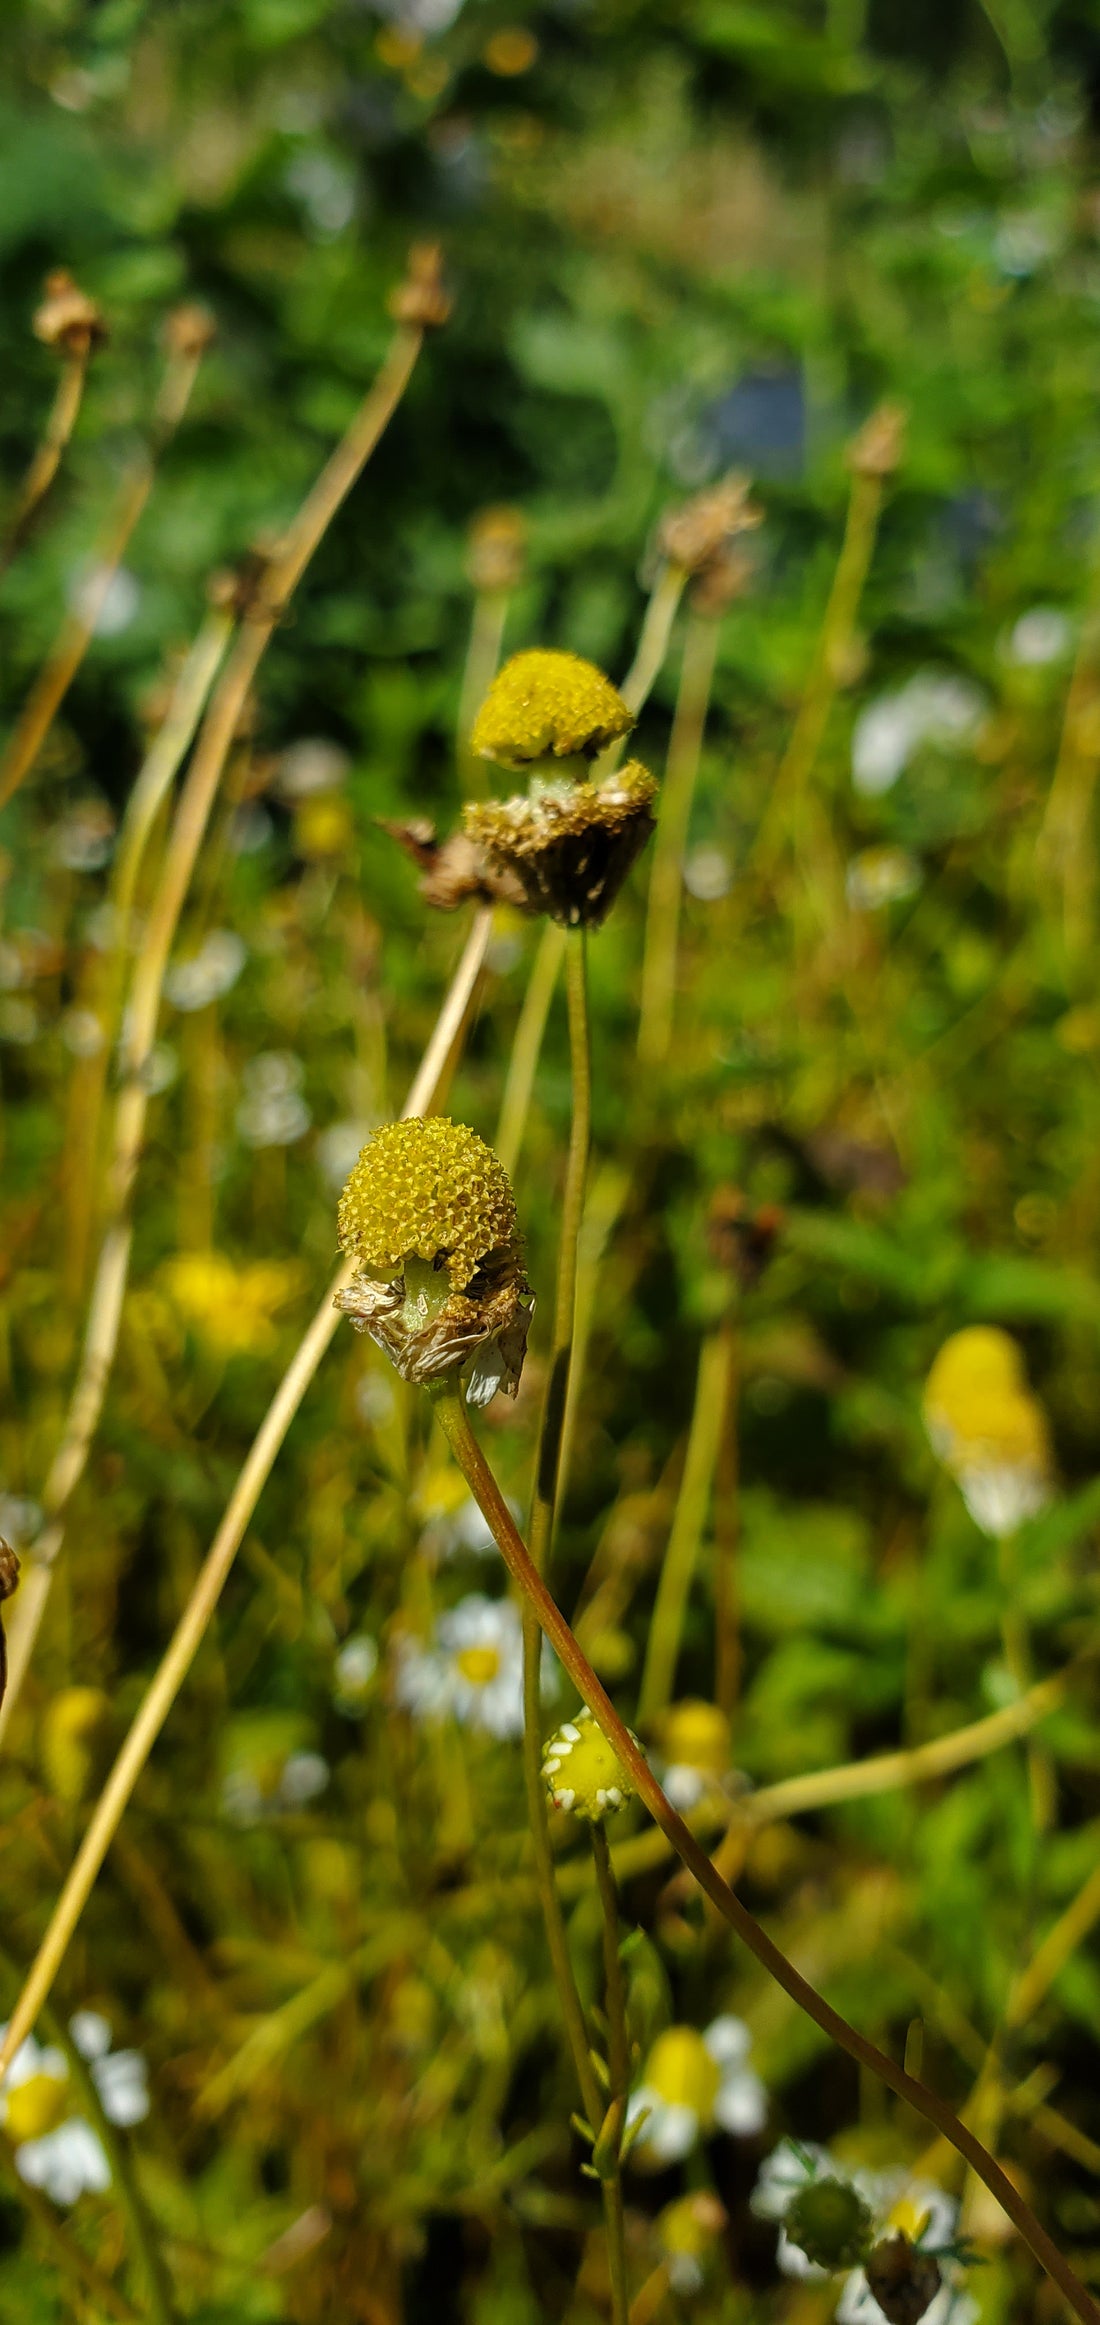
[496, 551]
[190, 329]
[877, 449]
[454, 870]
[9, 1577]
[569, 844]
[902, 2279]
[421, 300]
[545, 704]
[67, 317]
[429, 1214]
[693, 533]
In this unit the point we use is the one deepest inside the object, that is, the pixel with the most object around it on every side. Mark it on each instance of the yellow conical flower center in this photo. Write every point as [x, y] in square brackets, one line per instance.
[546, 704]
[478, 1664]
[697, 1735]
[682, 2072]
[35, 2107]
[583, 1771]
[978, 1407]
[427, 1190]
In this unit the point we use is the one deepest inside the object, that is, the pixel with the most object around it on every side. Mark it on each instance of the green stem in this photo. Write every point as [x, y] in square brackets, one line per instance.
[1016, 1641]
[527, 1045]
[727, 1528]
[143, 2234]
[482, 658]
[662, 928]
[454, 1420]
[618, 2062]
[663, 1646]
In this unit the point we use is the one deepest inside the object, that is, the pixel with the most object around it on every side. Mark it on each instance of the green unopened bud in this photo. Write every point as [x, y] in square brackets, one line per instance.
[830, 2223]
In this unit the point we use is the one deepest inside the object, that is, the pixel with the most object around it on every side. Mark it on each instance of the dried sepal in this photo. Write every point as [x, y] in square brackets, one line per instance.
[570, 845]
[484, 1328]
[455, 870]
[421, 301]
[695, 532]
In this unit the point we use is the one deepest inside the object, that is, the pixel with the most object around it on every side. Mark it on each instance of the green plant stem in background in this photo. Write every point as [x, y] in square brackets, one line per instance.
[482, 659]
[451, 1412]
[727, 1526]
[76, 634]
[192, 815]
[666, 1626]
[618, 2065]
[210, 1581]
[1065, 847]
[69, 2256]
[62, 419]
[652, 648]
[662, 931]
[1016, 1642]
[530, 1031]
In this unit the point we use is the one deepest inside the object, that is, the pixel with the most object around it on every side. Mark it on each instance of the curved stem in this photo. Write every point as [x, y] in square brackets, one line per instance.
[618, 2062]
[453, 1418]
[47, 460]
[188, 1634]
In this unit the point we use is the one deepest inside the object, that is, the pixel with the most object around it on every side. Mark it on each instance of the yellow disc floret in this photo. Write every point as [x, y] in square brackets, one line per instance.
[546, 704]
[583, 1772]
[424, 1189]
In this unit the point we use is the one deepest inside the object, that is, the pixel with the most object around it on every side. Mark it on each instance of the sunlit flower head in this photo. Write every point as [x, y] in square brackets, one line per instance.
[988, 1429]
[429, 1215]
[694, 2084]
[583, 1772]
[471, 1671]
[569, 844]
[232, 1308]
[545, 704]
[55, 2148]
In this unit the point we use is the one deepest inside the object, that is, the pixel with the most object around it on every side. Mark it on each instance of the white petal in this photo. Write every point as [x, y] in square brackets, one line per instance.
[857, 2304]
[485, 1375]
[122, 2081]
[791, 2259]
[91, 2033]
[670, 2133]
[742, 2103]
[684, 1786]
[65, 2162]
[727, 2040]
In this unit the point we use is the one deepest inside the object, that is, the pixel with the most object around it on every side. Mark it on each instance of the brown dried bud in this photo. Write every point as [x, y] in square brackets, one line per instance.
[902, 2279]
[724, 578]
[693, 533]
[739, 1239]
[455, 869]
[877, 449]
[495, 557]
[9, 1576]
[421, 301]
[68, 318]
[189, 329]
[570, 844]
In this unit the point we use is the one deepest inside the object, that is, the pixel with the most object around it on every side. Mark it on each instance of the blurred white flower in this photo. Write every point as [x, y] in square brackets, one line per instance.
[693, 2084]
[253, 1790]
[20, 1519]
[305, 1776]
[880, 876]
[933, 707]
[107, 600]
[325, 187]
[56, 2149]
[374, 1399]
[353, 1670]
[213, 970]
[250, 829]
[1040, 636]
[708, 874]
[1022, 242]
[18, 1021]
[84, 838]
[338, 1149]
[473, 1672]
[160, 1069]
[273, 1111]
[311, 765]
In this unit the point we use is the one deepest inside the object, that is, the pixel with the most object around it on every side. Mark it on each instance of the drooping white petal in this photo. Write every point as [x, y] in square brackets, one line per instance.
[91, 2033]
[122, 2080]
[742, 2103]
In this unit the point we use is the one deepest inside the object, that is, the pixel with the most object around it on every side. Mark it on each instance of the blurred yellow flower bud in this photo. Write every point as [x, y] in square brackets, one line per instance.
[583, 1772]
[74, 1742]
[545, 704]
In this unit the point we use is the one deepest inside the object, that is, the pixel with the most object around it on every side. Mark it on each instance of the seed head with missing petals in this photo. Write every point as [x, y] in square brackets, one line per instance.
[583, 1772]
[420, 1189]
[545, 704]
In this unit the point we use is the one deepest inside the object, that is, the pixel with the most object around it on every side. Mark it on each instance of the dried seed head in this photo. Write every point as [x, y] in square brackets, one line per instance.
[902, 2279]
[453, 870]
[495, 556]
[689, 536]
[427, 1190]
[878, 448]
[429, 1213]
[830, 2222]
[725, 577]
[546, 704]
[67, 317]
[583, 1772]
[421, 301]
[190, 329]
[569, 844]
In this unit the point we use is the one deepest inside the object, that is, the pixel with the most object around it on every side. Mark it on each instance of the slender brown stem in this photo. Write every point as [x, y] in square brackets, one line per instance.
[47, 460]
[453, 1417]
[662, 929]
[189, 1631]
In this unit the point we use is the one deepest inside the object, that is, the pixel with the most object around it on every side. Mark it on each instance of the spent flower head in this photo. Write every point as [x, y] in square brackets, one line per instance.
[570, 845]
[429, 1215]
[583, 1772]
[546, 704]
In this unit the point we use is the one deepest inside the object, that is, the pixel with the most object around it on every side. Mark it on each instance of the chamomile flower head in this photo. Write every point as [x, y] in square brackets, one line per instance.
[694, 2084]
[695, 1748]
[545, 704]
[429, 1215]
[570, 845]
[892, 2234]
[55, 2148]
[471, 1671]
[988, 1429]
[687, 2232]
[583, 1772]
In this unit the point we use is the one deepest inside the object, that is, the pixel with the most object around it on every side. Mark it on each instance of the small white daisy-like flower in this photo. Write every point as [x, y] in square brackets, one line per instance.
[583, 1772]
[209, 973]
[694, 2084]
[472, 1672]
[55, 2148]
[899, 2207]
[354, 1668]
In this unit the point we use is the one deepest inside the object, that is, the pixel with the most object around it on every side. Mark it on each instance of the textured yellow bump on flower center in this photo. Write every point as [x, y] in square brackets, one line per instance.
[583, 1772]
[478, 1664]
[35, 2107]
[696, 1735]
[424, 1189]
[682, 2072]
[547, 704]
